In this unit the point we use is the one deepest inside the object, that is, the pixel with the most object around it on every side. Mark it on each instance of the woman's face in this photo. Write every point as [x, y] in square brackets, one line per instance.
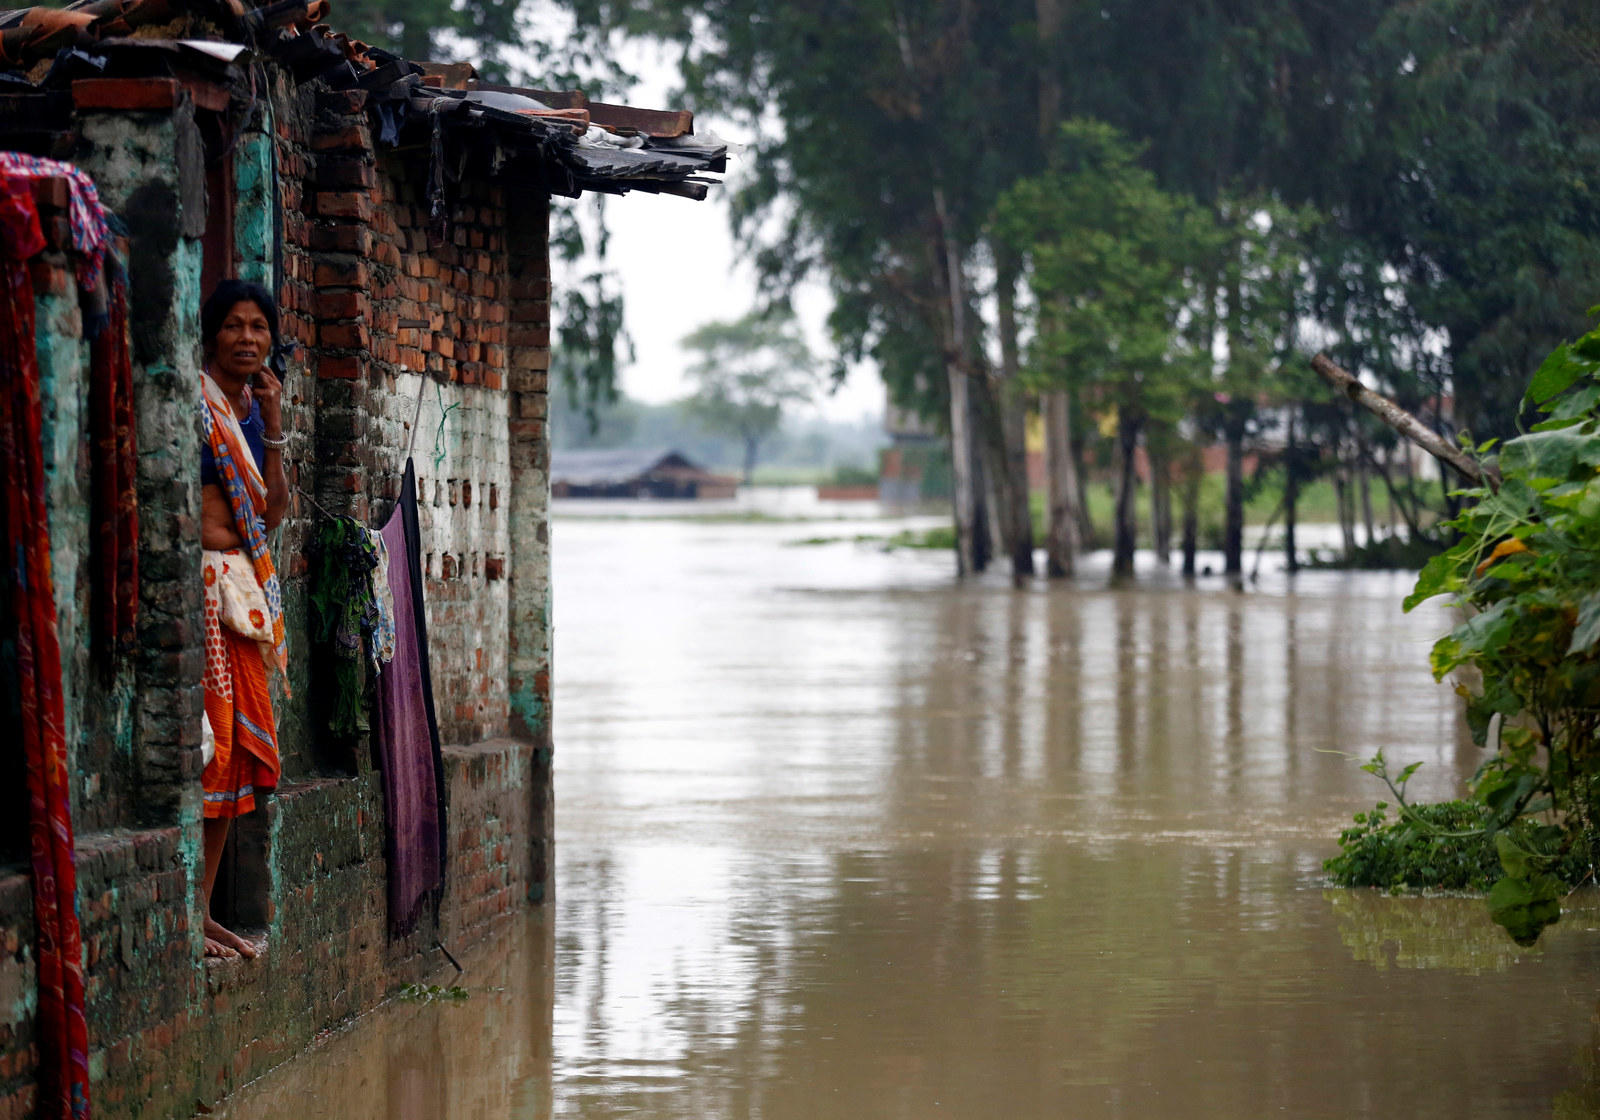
[243, 341]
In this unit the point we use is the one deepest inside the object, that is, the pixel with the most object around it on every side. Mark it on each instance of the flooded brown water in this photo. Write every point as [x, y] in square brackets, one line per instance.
[837, 838]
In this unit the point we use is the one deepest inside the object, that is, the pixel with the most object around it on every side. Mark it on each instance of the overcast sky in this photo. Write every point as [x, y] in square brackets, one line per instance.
[678, 267]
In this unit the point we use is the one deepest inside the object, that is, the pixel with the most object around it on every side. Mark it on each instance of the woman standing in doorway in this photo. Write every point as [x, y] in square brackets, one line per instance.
[244, 493]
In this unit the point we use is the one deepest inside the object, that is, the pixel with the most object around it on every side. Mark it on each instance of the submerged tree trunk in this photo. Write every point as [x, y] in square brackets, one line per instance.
[1060, 483]
[982, 535]
[963, 498]
[1347, 520]
[1233, 525]
[1160, 497]
[1391, 519]
[1194, 471]
[1291, 496]
[752, 448]
[1398, 501]
[1364, 491]
[1126, 519]
[1087, 537]
[1063, 493]
[1011, 482]
[965, 489]
[995, 529]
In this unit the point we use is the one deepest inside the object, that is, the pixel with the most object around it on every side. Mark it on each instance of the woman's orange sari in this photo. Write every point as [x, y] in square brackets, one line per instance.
[238, 703]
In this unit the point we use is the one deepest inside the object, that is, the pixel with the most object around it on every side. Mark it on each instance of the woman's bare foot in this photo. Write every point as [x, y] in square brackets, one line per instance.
[222, 942]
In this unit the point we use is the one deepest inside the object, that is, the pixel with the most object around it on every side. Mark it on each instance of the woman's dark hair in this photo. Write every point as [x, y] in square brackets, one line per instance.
[223, 299]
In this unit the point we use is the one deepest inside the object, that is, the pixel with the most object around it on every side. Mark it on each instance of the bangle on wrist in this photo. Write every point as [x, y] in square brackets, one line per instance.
[276, 444]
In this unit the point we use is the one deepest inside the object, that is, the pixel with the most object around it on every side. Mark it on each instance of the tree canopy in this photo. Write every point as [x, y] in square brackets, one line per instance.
[746, 372]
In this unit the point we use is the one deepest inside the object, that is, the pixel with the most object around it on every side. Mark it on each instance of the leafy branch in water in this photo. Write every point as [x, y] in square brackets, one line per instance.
[1525, 572]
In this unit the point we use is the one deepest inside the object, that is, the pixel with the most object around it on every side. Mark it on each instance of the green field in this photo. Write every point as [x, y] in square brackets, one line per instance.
[1317, 504]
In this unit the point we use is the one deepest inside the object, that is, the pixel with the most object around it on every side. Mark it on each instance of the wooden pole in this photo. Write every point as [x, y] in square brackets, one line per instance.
[1405, 423]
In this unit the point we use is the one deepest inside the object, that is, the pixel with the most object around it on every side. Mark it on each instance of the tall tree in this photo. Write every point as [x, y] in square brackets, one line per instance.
[1113, 261]
[1061, 466]
[1265, 281]
[746, 372]
[898, 124]
[1457, 151]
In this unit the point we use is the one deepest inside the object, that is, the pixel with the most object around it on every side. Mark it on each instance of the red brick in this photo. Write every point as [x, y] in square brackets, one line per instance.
[528, 381]
[342, 369]
[345, 204]
[345, 335]
[341, 274]
[529, 336]
[343, 102]
[127, 94]
[530, 289]
[349, 138]
[342, 239]
[347, 173]
[342, 305]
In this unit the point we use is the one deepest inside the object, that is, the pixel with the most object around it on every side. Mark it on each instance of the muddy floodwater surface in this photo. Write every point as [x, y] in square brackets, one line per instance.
[838, 837]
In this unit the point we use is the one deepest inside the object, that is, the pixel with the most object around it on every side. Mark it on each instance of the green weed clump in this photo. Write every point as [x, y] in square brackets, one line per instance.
[430, 993]
[1440, 847]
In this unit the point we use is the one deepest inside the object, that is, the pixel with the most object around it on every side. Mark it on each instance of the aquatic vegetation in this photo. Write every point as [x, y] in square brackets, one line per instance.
[1440, 847]
[939, 537]
[430, 993]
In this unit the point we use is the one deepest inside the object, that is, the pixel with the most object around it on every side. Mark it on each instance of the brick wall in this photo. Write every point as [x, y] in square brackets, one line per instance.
[383, 313]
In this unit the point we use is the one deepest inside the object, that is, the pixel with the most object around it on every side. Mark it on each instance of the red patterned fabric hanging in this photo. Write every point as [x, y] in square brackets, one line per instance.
[62, 1032]
[115, 501]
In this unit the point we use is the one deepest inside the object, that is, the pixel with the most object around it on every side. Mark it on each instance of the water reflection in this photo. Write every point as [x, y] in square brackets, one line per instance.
[838, 839]
[970, 852]
[485, 1056]
[1443, 932]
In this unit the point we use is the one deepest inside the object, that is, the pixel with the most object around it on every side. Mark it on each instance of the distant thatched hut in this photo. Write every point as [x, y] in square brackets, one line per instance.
[631, 473]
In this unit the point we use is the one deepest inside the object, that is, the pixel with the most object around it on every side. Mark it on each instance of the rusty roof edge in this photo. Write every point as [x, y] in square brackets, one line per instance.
[665, 124]
[284, 31]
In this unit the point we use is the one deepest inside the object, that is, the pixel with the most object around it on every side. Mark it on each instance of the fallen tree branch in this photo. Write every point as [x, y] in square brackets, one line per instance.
[1406, 424]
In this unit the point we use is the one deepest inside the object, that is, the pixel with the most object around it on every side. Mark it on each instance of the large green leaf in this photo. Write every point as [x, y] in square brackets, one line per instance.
[1525, 907]
[1587, 631]
[1550, 454]
[1440, 574]
[1573, 408]
[1498, 698]
[1486, 631]
[1555, 375]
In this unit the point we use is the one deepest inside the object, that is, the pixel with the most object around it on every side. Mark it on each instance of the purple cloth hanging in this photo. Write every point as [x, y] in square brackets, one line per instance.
[408, 732]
